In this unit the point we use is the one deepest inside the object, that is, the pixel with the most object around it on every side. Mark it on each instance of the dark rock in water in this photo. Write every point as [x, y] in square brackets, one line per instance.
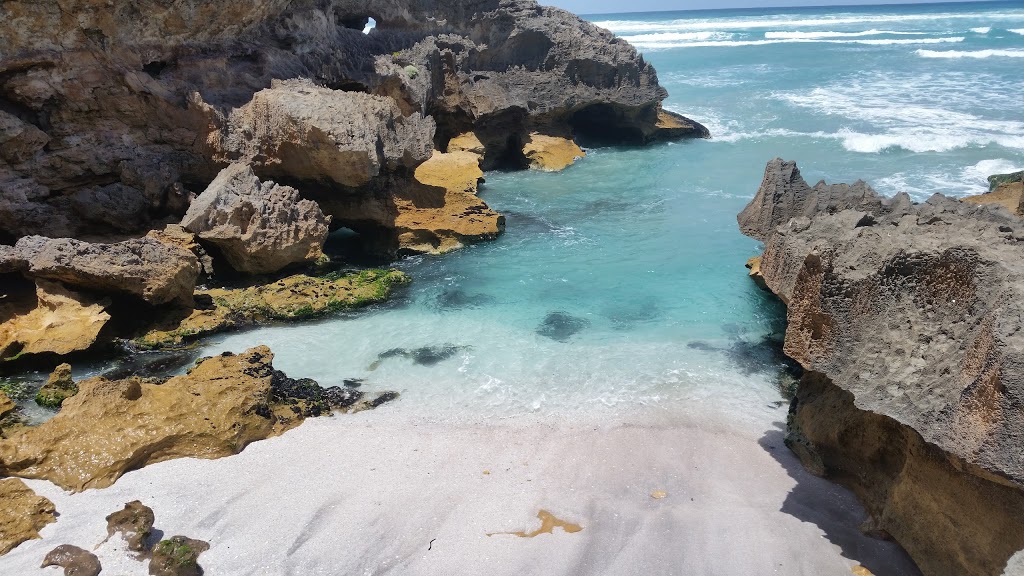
[761, 355]
[353, 382]
[701, 345]
[152, 364]
[561, 326]
[74, 561]
[458, 299]
[383, 398]
[624, 316]
[426, 356]
[177, 556]
[338, 397]
[134, 523]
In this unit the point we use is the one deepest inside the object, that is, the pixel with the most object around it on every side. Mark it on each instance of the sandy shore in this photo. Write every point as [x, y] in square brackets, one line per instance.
[376, 493]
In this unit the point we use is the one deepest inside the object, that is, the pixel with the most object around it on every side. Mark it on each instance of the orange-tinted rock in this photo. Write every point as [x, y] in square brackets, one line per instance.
[22, 514]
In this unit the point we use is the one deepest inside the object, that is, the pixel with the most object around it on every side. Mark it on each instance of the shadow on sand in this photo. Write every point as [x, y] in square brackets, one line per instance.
[836, 511]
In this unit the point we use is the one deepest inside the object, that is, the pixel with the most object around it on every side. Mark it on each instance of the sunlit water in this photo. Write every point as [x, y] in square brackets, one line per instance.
[619, 284]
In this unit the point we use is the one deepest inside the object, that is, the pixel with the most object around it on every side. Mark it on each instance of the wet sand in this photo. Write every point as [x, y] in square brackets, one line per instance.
[380, 493]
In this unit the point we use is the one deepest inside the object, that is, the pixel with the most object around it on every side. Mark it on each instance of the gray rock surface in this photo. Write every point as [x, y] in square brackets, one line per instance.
[144, 268]
[259, 227]
[916, 313]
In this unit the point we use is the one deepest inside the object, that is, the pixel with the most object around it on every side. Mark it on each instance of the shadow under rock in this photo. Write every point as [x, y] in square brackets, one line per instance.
[836, 511]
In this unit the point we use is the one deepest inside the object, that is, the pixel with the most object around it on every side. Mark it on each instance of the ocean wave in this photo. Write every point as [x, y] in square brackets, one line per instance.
[665, 45]
[982, 30]
[1017, 31]
[951, 180]
[971, 54]
[831, 34]
[791, 21]
[677, 37]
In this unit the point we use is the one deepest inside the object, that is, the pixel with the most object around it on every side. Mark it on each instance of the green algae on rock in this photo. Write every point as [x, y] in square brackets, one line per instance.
[293, 298]
[59, 387]
[178, 556]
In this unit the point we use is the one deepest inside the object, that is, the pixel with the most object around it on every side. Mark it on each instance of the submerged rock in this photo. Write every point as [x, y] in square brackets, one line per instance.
[561, 326]
[22, 514]
[59, 387]
[425, 356]
[292, 298]
[111, 427]
[259, 227]
[134, 523]
[74, 561]
[177, 556]
[908, 320]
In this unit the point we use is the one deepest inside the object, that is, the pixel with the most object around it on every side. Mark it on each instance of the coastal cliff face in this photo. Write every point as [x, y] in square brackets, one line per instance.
[908, 320]
[113, 114]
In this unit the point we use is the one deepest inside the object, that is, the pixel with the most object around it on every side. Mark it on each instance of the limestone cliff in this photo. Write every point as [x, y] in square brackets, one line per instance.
[908, 320]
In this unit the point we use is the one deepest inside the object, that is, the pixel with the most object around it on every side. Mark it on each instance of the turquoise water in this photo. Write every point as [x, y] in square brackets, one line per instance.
[620, 282]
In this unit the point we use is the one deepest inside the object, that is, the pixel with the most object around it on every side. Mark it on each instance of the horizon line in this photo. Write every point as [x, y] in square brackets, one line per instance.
[798, 6]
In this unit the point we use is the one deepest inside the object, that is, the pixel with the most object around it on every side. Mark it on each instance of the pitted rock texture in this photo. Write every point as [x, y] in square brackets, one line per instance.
[259, 227]
[59, 321]
[113, 112]
[111, 427]
[74, 561]
[22, 514]
[144, 268]
[915, 311]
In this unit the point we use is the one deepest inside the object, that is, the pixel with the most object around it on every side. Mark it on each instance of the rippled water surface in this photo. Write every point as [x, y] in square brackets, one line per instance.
[620, 282]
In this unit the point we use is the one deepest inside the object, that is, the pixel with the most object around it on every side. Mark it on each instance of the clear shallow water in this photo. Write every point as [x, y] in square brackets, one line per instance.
[638, 249]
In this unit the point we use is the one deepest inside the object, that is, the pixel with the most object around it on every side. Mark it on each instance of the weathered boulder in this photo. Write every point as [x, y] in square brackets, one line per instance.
[6, 404]
[22, 514]
[111, 427]
[1009, 195]
[997, 180]
[550, 153]
[58, 387]
[134, 523]
[259, 227]
[908, 320]
[74, 561]
[60, 321]
[176, 235]
[144, 268]
[300, 131]
[177, 556]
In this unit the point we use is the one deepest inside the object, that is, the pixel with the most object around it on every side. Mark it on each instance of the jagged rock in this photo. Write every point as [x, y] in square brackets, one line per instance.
[673, 126]
[141, 267]
[908, 320]
[115, 206]
[177, 556]
[292, 298]
[754, 265]
[74, 561]
[22, 514]
[301, 131]
[997, 180]
[6, 404]
[111, 427]
[259, 227]
[59, 387]
[468, 142]
[175, 235]
[106, 95]
[134, 523]
[1009, 195]
[550, 153]
[440, 211]
[58, 322]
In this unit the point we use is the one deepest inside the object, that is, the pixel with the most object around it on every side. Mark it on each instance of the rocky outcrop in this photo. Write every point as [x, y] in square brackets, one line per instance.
[997, 180]
[259, 227]
[111, 427]
[56, 321]
[550, 153]
[58, 387]
[142, 268]
[113, 114]
[1009, 195]
[907, 318]
[22, 514]
[293, 298]
[74, 561]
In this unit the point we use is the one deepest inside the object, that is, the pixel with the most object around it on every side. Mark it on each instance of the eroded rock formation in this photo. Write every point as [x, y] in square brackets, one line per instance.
[22, 514]
[908, 320]
[74, 560]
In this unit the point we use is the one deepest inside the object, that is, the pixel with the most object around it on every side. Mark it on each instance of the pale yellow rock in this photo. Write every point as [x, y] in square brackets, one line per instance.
[861, 571]
[22, 514]
[441, 210]
[659, 494]
[6, 404]
[468, 142]
[111, 427]
[754, 265]
[551, 153]
[1009, 196]
[62, 322]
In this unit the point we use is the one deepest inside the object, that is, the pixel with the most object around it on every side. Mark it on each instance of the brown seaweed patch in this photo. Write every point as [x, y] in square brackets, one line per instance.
[548, 524]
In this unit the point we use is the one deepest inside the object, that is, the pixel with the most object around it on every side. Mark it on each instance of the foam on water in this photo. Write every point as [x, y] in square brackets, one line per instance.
[651, 43]
[976, 54]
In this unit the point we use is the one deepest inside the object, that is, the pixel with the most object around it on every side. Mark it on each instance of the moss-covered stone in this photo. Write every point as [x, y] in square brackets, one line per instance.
[178, 556]
[58, 388]
[997, 180]
[292, 298]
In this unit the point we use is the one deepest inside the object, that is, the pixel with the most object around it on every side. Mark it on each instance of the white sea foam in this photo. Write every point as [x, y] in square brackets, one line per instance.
[952, 180]
[677, 37]
[795, 21]
[978, 54]
[982, 30]
[1017, 31]
[832, 34]
[665, 45]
